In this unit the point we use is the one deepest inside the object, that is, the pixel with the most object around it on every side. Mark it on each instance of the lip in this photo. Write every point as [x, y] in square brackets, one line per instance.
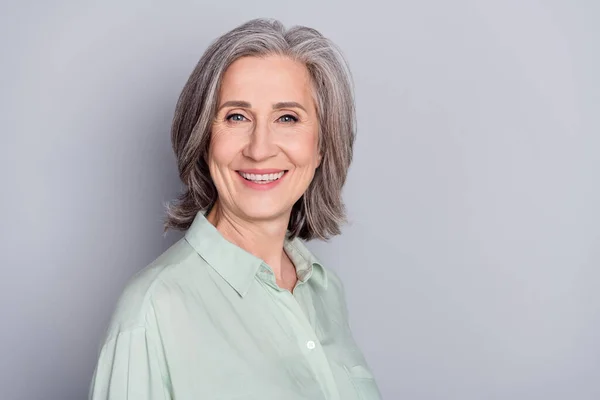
[261, 171]
[261, 186]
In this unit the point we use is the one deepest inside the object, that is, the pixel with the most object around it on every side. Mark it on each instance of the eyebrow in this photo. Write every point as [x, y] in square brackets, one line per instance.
[235, 103]
[276, 106]
[288, 104]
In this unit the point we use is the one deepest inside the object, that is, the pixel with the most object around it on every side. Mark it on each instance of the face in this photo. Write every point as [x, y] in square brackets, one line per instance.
[264, 143]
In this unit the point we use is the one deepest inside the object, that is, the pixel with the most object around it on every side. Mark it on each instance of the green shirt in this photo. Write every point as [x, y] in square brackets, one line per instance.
[206, 320]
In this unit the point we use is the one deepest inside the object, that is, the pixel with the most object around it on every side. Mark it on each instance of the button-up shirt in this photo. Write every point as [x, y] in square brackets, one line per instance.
[207, 320]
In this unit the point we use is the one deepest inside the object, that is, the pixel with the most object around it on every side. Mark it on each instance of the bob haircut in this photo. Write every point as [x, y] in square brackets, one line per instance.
[320, 211]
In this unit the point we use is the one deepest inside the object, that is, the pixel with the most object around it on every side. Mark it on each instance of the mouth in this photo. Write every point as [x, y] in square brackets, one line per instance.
[262, 179]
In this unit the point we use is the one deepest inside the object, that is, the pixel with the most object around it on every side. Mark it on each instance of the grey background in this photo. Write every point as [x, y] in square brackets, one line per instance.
[471, 260]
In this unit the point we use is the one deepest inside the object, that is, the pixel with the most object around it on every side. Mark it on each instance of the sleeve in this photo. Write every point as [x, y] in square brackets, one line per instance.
[130, 367]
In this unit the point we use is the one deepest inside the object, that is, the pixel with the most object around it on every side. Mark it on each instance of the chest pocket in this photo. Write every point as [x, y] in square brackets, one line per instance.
[363, 382]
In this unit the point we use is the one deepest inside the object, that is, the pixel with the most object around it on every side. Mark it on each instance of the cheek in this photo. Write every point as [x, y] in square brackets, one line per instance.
[305, 150]
[223, 148]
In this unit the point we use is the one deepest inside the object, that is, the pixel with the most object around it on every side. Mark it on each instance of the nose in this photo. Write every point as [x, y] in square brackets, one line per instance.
[260, 145]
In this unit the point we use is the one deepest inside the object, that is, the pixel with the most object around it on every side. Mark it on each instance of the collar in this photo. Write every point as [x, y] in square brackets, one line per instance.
[237, 266]
[307, 265]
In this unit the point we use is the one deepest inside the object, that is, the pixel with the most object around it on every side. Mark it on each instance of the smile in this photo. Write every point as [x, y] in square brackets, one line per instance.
[262, 178]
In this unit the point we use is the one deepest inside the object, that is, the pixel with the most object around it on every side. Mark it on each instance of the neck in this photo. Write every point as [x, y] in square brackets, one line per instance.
[263, 238]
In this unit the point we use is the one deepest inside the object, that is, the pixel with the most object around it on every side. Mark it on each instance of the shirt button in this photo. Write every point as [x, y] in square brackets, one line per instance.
[310, 344]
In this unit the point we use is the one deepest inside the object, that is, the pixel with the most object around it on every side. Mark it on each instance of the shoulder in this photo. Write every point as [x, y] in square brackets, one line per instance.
[333, 279]
[335, 288]
[134, 308]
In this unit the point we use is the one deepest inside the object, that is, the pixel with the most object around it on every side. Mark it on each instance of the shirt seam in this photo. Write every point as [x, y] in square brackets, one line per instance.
[142, 315]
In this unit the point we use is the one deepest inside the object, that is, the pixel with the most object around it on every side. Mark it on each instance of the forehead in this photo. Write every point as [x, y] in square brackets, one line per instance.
[271, 79]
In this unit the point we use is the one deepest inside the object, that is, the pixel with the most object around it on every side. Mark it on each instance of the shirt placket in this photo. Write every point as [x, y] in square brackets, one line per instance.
[305, 334]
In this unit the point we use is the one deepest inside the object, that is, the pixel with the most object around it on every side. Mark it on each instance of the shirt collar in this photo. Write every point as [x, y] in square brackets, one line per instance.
[307, 265]
[233, 263]
[237, 266]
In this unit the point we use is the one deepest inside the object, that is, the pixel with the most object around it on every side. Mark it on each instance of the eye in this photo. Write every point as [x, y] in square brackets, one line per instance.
[287, 118]
[236, 118]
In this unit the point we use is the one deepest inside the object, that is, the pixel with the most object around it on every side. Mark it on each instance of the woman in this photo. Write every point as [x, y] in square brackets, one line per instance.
[239, 308]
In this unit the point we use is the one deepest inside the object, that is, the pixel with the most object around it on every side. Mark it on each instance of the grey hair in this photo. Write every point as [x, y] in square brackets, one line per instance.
[320, 211]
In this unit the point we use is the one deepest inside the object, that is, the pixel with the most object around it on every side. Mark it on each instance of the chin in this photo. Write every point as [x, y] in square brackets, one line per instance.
[265, 211]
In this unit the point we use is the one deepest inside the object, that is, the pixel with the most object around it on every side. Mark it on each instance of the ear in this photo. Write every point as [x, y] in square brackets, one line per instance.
[319, 159]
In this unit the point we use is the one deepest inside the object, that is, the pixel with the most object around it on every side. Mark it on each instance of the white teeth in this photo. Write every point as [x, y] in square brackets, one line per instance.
[262, 178]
